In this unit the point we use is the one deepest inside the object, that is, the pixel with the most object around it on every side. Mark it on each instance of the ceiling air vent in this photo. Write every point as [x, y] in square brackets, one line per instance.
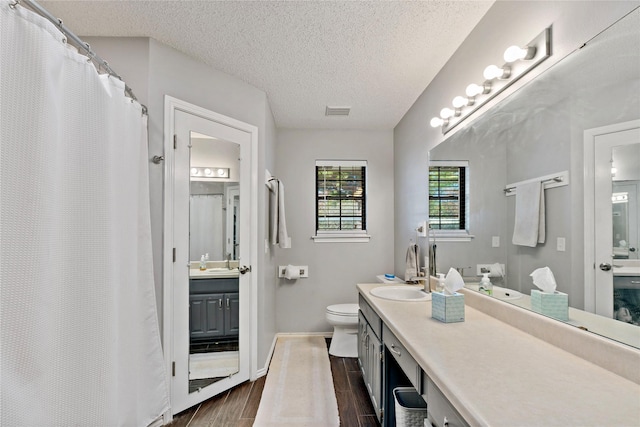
[337, 111]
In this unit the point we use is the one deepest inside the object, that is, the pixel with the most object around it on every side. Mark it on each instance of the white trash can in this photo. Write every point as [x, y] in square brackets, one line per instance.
[411, 409]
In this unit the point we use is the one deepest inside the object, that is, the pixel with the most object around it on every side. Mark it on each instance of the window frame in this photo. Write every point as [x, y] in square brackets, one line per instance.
[459, 234]
[340, 236]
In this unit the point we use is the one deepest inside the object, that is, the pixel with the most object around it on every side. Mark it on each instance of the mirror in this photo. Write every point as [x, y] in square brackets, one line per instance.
[624, 200]
[539, 131]
[214, 203]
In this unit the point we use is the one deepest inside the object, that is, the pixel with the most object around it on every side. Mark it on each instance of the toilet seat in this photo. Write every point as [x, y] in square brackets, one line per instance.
[346, 310]
[344, 319]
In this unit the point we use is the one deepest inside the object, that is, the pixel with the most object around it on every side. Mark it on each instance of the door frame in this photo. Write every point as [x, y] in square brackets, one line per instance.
[171, 105]
[590, 136]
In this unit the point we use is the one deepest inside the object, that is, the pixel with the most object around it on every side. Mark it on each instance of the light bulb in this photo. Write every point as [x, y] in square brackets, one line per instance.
[445, 113]
[194, 171]
[495, 72]
[516, 53]
[436, 122]
[474, 90]
[221, 172]
[208, 172]
[460, 101]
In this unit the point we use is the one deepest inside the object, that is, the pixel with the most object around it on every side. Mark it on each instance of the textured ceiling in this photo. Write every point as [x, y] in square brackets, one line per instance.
[375, 57]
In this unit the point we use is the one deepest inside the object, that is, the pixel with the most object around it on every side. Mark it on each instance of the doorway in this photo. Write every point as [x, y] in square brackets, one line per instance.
[612, 179]
[210, 279]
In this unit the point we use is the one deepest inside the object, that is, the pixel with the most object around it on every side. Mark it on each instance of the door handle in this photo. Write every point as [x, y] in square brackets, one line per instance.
[632, 249]
[605, 266]
[244, 269]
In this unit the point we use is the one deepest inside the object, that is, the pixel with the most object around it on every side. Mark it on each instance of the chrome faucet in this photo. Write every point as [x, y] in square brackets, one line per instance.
[419, 279]
[461, 270]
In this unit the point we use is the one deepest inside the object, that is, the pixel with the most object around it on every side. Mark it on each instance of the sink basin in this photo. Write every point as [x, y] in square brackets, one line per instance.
[498, 292]
[401, 293]
[506, 294]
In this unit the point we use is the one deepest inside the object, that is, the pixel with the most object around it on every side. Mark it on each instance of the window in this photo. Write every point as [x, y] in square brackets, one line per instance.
[448, 205]
[341, 208]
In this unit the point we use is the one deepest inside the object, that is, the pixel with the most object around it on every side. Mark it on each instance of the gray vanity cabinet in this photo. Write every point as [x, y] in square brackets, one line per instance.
[370, 354]
[213, 309]
[206, 315]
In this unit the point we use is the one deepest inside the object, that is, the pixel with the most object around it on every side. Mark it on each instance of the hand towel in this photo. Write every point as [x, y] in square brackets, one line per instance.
[412, 265]
[279, 235]
[529, 229]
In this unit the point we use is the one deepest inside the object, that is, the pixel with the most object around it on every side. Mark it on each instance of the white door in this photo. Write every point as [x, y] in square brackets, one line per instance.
[616, 174]
[208, 358]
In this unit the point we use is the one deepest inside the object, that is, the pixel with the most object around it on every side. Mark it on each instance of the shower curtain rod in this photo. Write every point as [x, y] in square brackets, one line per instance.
[102, 64]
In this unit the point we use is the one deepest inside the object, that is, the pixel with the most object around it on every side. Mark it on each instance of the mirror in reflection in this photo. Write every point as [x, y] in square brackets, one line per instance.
[213, 271]
[540, 131]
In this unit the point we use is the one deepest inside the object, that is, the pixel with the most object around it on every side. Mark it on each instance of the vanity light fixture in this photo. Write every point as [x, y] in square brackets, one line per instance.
[461, 101]
[517, 53]
[495, 72]
[519, 61]
[437, 121]
[620, 197]
[446, 113]
[209, 172]
[474, 90]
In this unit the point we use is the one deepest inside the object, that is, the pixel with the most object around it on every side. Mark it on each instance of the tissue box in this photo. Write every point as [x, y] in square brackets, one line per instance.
[554, 305]
[447, 308]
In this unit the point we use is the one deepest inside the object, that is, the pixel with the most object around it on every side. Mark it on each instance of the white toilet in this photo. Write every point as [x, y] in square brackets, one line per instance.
[344, 319]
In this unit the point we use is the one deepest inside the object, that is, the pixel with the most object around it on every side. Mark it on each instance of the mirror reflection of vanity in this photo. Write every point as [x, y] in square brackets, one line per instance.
[214, 305]
[540, 131]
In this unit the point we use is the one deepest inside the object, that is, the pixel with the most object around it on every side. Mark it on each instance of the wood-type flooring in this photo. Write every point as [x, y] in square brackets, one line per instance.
[238, 407]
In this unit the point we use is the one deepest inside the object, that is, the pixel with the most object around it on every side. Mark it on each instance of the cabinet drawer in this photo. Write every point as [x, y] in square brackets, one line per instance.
[372, 317]
[440, 412]
[626, 282]
[407, 363]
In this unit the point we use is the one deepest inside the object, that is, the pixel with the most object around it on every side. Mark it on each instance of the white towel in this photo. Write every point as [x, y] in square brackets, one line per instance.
[412, 266]
[279, 235]
[529, 229]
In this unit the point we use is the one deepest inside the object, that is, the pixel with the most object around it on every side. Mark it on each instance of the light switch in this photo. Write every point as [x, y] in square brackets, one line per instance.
[495, 241]
[561, 245]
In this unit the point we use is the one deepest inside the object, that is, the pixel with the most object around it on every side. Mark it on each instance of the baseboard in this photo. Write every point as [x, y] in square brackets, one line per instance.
[262, 372]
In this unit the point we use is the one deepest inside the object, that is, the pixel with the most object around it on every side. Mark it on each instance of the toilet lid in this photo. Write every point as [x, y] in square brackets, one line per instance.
[343, 309]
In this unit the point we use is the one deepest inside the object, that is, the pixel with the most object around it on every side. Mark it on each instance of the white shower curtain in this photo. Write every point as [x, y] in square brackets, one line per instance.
[80, 342]
[205, 222]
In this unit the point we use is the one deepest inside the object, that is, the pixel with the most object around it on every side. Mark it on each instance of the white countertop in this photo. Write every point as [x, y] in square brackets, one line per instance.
[626, 267]
[497, 375]
[213, 273]
[625, 333]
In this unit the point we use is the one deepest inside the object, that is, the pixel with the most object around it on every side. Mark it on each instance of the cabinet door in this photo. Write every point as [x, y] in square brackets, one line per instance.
[362, 345]
[375, 366]
[205, 315]
[231, 314]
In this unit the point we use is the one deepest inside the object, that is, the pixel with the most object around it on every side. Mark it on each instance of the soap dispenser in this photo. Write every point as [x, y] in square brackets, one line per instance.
[485, 284]
[203, 263]
[440, 285]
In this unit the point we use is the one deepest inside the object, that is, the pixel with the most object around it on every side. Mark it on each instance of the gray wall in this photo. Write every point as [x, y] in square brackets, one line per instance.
[506, 23]
[334, 268]
[154, 70]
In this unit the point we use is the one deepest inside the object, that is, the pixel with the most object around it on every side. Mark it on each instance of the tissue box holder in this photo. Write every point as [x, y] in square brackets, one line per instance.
[447, 308]
[554, 305]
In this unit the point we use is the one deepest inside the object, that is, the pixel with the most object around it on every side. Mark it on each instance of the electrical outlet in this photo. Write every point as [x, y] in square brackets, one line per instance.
[495, 241]
[561, 245]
